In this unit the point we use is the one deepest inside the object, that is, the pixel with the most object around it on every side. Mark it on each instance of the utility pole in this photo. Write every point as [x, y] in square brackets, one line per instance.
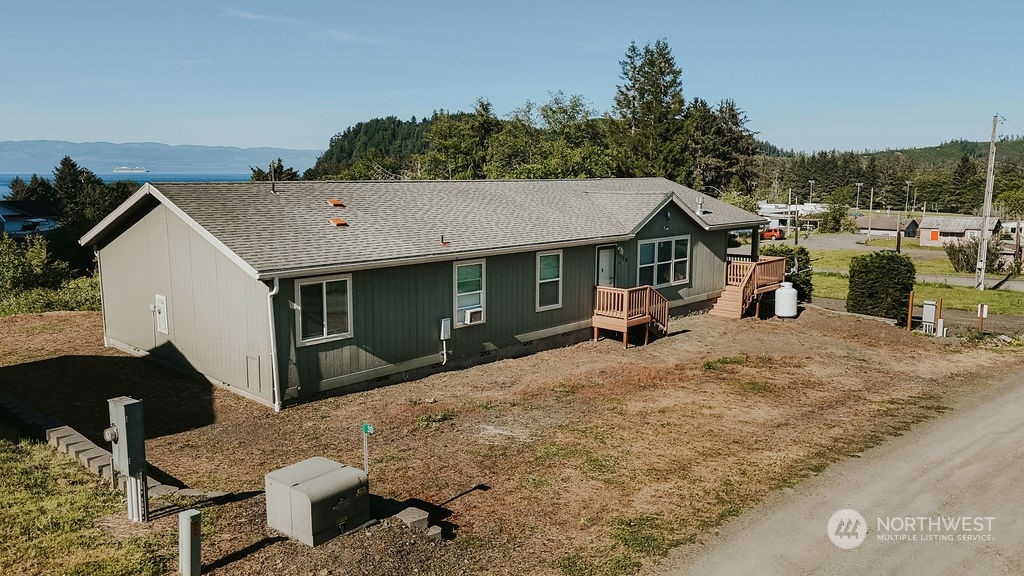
[789, 210]
[796, 230]
[987, 213]
[871, 208]
[810, 196]
[906, 203]
[859, 184]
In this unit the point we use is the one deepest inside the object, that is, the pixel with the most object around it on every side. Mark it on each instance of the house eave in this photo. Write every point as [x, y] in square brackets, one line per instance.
[124, 211]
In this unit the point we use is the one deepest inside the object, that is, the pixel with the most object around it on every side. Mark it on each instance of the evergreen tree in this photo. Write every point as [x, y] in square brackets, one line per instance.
[37, 188]
[964, 195]
[277, 169]
[650, 107]
[70, 181]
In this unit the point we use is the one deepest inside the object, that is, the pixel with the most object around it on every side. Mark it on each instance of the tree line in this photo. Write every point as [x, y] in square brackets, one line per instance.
[651, 130]
[895, 179]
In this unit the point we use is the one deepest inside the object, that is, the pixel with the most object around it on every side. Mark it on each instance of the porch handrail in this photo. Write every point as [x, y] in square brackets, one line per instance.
[736, 271]
[770, 270]
[659, 308]
[632, 303]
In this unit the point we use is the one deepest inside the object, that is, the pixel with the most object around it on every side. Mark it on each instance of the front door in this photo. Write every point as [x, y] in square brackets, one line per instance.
[606, 266]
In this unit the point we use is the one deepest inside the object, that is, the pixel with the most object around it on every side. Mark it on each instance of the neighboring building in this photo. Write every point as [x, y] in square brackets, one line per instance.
[939, 230]
[879, 225]
[23, 217]
[286, 291]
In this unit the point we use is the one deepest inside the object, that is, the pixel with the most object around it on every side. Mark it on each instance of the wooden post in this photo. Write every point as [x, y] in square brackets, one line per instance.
[910, 311]
[938, 311]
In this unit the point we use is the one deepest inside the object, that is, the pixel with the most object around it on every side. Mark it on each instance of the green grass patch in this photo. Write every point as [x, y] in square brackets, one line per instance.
[51, 506]
[719, 363]
[839, 261]
[576, 565]
[646, 534]
[432, 419]
[1008, 302]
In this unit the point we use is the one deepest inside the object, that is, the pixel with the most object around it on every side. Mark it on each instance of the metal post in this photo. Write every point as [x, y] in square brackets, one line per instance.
[366, 453]
[189, 543]
[871, 207]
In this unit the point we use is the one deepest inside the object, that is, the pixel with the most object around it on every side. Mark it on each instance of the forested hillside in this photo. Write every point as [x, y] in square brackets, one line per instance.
[652, 130]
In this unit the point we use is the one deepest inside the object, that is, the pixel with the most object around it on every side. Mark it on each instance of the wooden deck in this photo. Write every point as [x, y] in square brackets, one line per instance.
[620, 309]
[746, 281]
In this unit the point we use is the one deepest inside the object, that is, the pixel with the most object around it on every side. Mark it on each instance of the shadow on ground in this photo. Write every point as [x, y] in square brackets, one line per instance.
[75, 389]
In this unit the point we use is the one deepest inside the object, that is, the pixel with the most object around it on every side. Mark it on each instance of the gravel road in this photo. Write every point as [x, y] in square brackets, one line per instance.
[966, 463]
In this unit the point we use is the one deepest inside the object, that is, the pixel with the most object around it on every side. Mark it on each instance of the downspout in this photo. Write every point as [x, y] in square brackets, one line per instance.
[273, 345]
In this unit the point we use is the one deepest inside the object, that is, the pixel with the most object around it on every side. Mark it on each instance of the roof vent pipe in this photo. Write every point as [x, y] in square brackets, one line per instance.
[700, 206]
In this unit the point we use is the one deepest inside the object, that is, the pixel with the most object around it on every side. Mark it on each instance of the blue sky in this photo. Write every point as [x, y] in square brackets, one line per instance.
[810, 75]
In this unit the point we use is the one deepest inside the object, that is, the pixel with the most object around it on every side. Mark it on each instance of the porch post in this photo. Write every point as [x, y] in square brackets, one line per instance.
[755, 243]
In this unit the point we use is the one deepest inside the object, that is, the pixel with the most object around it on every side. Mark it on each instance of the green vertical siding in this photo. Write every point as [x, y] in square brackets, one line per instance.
[397, 314]
[707, 256]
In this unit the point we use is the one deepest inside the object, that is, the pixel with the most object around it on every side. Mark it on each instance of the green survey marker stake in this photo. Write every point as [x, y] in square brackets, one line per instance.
[367, 430]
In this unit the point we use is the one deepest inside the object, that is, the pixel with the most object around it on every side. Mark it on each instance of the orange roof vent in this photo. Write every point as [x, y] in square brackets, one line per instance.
[335, 203]
[338, 222]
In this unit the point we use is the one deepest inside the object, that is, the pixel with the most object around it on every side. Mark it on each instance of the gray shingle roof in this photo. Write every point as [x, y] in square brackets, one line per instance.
[884, 222]
[956, 224]
[396, 221]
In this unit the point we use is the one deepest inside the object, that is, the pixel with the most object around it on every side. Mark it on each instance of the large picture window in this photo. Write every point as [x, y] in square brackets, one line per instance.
[549, 280]
[664, 262]
[470, 292]
[324, 309]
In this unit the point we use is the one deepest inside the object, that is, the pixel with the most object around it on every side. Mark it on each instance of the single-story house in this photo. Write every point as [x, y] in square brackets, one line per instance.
[287, 290]
[878, 225]
[939, 230]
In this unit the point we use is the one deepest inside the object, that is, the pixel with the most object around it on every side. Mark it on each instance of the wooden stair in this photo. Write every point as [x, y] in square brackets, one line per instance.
[620, 309]
[730, 303]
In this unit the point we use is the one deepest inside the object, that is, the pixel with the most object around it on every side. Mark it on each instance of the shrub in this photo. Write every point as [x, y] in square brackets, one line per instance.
[76, 294]
[880, 285]
[964, 255]
[799, 259]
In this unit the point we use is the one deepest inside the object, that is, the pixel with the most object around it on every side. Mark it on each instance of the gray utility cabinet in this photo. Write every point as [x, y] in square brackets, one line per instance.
[317, 499]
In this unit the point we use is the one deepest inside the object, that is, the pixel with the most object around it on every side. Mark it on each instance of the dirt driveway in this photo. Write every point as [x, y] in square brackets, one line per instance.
[588, 459]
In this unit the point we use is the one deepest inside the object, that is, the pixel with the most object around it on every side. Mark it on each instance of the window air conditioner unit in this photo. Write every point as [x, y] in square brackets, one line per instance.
[473, 316]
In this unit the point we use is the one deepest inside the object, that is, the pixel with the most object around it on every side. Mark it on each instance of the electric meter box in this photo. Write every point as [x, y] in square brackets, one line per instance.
[317, 499]
[127, 435]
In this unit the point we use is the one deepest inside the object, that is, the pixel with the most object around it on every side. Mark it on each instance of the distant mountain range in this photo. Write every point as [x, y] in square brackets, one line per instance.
[41, 156]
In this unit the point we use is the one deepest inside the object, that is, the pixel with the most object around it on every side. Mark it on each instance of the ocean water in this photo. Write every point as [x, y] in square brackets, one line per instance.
[140, 178]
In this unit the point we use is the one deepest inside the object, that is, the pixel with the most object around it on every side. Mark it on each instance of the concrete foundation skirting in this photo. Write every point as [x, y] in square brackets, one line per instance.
[69, 441]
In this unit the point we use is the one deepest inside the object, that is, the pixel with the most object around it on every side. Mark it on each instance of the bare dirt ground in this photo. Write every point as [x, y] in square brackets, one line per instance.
[588, 459]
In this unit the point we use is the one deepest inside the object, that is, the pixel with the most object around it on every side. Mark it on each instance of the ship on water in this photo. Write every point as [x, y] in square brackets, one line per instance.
[130, 169]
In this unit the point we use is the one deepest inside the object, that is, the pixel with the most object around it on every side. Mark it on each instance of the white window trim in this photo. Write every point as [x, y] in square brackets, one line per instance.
[299, 342]
[483, 291]
[672, 269]
[558, 304]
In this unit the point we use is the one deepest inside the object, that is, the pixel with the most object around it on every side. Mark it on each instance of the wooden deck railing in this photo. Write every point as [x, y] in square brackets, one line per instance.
[620, 308]
[755, 278]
